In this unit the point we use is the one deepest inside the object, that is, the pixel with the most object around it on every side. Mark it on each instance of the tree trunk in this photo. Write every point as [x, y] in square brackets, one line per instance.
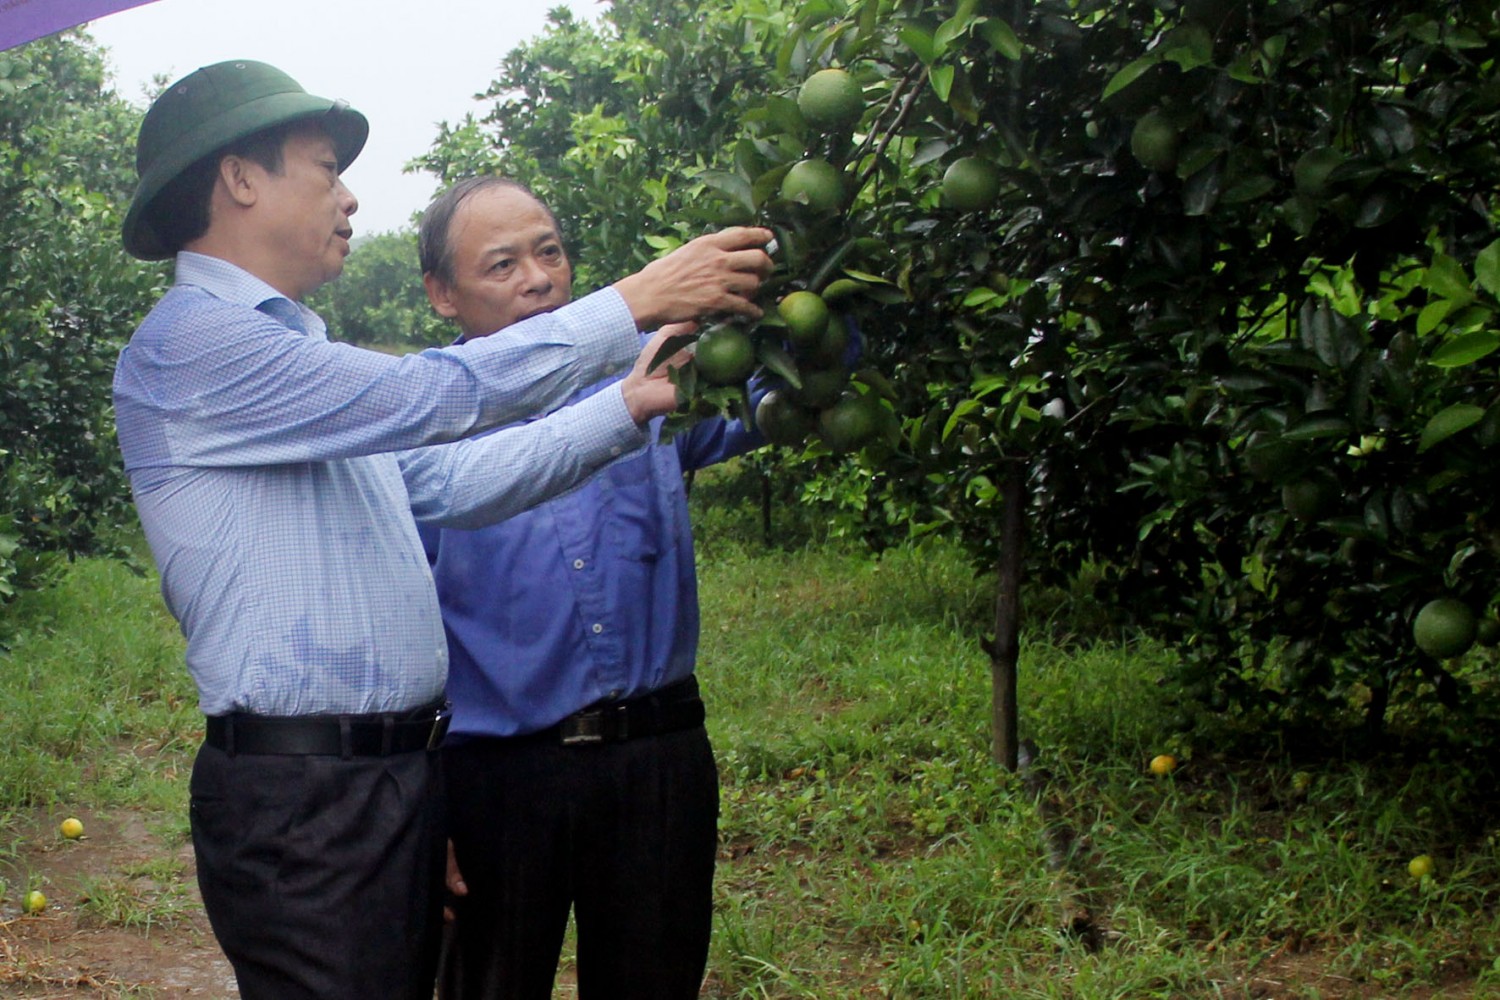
[1005, 652]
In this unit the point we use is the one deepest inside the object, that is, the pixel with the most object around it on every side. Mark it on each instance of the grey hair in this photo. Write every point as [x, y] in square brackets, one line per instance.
[433, 249]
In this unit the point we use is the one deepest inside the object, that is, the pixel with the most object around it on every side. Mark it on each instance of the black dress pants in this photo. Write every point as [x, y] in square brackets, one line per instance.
[623, 833]
[322, 876]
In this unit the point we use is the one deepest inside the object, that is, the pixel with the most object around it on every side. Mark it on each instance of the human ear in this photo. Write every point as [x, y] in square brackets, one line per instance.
[237, 179]
[439, 295]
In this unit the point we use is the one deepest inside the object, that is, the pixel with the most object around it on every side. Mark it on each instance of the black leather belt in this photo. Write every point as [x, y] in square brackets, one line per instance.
[667, 710]
[378, 735]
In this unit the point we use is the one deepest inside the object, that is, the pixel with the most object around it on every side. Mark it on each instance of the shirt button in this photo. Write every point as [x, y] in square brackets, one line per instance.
[598, 628]
[578, 564]
[615, 451]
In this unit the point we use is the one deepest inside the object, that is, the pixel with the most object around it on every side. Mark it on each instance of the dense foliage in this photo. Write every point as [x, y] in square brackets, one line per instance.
[1231, 307]
[378, 300]
[68, 299]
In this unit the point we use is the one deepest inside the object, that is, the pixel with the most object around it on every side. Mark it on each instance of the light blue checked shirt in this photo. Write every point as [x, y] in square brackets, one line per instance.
[273, 475]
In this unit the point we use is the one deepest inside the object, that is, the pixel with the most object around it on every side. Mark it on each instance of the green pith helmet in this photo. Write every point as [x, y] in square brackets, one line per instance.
[207, 110]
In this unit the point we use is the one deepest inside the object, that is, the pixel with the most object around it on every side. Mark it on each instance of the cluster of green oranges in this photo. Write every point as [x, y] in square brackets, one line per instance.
[822, 400]
[832, 101]
[821, 397]
[826, 402]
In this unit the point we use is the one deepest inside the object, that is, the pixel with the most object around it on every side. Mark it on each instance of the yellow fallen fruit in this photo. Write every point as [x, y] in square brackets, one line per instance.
[34, 902]
[1163, 763]
[1420, 866]
[72, 828]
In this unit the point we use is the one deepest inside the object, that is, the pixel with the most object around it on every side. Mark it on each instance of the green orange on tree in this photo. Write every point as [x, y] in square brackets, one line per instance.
[1487, 631]
[1154, 141]
[1445, 628]
[815, 183]
[1309, 499]
[782, 419]
[850, 423]
[831, 344]
[724, 355]
[821, 387]
[971, 184]
[806, 317]
[831, 99]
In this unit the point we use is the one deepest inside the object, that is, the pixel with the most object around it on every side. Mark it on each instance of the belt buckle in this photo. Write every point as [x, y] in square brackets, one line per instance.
[584, 728]
[440, 720]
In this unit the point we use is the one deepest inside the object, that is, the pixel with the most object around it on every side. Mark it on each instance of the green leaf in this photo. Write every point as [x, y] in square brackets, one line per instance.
[1379, 207]
[1002, 38]
[1317, 426]
[941, 78]
[920, 43]
[1248, 189]
[1466, 350]
[1189, 46]
[1487, 268]
[1446, 278]
[1464, 37]
[787, 52]
[774, 357]
[979, 296]
[1446, 423]
[1202, 189]
[929, 151]
[1432, 316]
[732, 186]
[830, 263]
[963, 409]
[669, 347]
[1242, 68]
[951, 30]
[1129, 74]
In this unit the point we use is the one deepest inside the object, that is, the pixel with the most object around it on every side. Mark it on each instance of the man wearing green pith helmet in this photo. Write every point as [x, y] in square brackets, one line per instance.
[280, 477]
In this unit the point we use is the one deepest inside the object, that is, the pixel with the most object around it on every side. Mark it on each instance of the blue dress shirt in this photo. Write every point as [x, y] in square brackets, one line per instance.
[271, 471]
[591, 595]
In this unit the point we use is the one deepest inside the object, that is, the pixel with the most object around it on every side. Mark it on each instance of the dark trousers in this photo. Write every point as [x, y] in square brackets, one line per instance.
[623, 833]
[322, 876]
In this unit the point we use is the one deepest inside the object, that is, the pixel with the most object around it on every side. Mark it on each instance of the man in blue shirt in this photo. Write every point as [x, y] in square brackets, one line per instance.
[276, 476]
[579, 772]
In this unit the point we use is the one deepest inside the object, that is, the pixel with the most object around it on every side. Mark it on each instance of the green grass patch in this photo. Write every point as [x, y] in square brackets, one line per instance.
[96, 701]
[870, 846]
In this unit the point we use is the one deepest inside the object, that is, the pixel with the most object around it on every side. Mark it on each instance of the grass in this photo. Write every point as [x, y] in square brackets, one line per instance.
[143, 896]
[96, 702]
[870, 846]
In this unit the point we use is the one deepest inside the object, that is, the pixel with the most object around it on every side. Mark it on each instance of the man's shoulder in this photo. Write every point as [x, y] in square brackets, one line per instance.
[190, 308]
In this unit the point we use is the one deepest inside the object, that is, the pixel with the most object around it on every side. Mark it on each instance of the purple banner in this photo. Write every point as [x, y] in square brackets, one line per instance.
[23, 20]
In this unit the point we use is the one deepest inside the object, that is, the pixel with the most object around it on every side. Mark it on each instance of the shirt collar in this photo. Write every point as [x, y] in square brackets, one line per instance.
[233, 283]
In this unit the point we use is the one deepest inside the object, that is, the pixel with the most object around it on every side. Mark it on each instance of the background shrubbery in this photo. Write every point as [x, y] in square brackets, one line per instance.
[68, 300]
[1231, 317]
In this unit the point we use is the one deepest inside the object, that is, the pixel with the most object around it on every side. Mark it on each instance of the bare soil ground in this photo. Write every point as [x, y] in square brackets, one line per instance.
[120, 871]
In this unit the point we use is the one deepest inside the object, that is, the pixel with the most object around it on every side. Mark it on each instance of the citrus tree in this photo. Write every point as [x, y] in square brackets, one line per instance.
[68, 299]
[1206, 288]
[378, 300]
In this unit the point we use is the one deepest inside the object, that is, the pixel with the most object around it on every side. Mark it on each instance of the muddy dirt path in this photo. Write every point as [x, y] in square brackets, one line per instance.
[123, 917]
